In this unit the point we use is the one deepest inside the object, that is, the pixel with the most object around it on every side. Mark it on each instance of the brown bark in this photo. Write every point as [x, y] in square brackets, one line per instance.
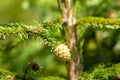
[69, 19]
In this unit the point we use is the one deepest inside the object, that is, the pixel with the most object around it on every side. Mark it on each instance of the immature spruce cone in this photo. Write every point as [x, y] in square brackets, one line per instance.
[62, 52]
[35, 66]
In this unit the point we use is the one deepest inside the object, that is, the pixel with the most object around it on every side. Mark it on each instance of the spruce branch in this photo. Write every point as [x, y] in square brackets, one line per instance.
[47, 28]
[99, 23]
[41, 31]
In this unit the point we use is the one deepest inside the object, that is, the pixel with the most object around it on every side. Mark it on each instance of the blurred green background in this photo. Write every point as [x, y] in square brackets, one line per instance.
[101, 46]
[28, 11]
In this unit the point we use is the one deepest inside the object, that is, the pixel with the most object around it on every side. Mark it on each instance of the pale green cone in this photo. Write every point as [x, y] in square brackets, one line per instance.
[62, 52]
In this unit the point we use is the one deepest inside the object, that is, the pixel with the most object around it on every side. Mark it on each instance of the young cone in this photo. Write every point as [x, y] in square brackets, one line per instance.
[62, 52]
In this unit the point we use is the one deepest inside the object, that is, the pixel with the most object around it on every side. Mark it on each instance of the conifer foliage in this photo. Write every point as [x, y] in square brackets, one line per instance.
[67, 38]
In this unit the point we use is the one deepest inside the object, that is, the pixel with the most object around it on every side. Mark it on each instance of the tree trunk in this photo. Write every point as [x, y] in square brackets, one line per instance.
[69, 19]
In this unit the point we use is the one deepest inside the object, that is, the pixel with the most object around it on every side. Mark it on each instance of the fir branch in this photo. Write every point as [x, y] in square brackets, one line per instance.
[46, 29]
[40, 31]
[99, 23]
[17, 28]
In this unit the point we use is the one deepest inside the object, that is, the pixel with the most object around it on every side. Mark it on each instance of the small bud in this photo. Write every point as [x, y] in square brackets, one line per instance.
[62, 52]
[35, 66]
